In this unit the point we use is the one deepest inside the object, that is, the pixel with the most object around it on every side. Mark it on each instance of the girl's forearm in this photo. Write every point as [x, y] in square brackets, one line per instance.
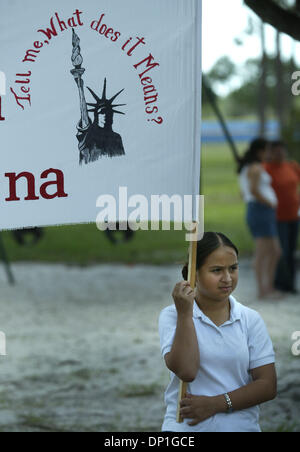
[184, 358]
[253, 394]
[260, 198]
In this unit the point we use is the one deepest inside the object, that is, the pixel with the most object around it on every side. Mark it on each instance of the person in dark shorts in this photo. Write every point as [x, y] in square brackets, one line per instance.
[261, 200]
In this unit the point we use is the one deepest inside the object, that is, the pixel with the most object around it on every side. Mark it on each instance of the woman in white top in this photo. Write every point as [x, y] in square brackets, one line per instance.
[217, 345]
[261, 202]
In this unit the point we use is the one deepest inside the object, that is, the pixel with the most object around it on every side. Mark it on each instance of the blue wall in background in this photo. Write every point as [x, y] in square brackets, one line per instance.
[240, 131]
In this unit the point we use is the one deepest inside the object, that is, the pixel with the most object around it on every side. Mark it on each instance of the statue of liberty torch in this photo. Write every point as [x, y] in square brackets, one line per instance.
[94, 141]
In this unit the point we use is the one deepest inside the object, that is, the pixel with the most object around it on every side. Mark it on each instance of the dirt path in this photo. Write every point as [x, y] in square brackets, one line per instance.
[83, 348]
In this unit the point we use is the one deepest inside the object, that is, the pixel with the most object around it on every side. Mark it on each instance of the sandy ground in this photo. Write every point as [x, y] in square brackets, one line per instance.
[83, 348]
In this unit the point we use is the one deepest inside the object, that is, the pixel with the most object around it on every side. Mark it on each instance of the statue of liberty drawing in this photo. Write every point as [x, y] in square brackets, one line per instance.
[95, 141]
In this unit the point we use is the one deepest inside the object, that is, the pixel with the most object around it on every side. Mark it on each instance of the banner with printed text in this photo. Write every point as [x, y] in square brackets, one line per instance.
[97, 96]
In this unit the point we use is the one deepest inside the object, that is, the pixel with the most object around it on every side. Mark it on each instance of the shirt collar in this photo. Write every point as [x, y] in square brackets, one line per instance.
[235, 310]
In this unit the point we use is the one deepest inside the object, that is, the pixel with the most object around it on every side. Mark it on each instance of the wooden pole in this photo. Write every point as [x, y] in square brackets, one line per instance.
[192, 280]
[4, 257]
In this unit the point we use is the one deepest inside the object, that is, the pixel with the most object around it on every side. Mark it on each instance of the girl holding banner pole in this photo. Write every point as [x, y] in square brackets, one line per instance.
[218, 346]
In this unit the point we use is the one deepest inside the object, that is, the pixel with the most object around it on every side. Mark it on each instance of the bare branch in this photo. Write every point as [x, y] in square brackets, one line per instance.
[285, 21]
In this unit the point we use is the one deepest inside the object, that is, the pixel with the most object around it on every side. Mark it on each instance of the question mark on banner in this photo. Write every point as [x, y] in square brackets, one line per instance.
[159, 120]
[2, 91]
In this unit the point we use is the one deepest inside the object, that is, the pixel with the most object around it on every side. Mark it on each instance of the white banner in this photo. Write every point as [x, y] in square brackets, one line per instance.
[98, 98]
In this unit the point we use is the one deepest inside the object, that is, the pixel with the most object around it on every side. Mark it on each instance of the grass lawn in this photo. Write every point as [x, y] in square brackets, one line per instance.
[84, 244]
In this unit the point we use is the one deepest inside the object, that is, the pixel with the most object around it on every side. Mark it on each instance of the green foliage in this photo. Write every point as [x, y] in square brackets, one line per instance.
[244, 99]
[223, 70]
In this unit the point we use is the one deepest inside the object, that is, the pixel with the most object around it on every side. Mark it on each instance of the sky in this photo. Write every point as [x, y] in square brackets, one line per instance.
[225, 20]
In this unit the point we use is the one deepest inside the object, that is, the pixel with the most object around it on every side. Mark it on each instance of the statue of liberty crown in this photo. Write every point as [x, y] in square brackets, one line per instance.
[104, 105]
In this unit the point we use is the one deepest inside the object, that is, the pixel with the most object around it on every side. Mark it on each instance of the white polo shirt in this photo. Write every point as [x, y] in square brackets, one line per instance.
[227, 354]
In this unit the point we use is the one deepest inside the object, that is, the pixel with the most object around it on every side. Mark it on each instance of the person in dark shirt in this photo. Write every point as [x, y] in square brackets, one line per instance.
[285, 182]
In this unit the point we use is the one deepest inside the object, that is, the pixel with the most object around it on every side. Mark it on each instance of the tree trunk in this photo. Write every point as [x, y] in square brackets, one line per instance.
[280, 100]
[262, 92]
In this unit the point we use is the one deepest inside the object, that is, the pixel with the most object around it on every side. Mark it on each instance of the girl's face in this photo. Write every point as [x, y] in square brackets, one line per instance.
[218, 276]
[278, 154]
[263, 154]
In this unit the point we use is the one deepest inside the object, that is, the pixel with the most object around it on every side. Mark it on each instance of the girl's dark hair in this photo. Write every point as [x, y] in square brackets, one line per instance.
[210, 242]
[276, 143]
[251, 155]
